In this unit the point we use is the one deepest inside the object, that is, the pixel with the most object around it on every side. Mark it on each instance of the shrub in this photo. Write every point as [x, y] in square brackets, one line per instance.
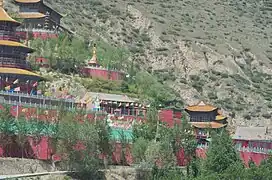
[138, 149]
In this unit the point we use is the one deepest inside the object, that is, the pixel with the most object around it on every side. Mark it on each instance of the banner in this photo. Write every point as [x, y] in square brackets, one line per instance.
[16, 81]
[17, 89]
[7, 88]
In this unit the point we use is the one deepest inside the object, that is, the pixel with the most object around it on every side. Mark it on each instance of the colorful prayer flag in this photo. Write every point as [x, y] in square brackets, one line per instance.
[35, 84]
[33, 92]
[17, 89]
[16, 81]
[7, 88]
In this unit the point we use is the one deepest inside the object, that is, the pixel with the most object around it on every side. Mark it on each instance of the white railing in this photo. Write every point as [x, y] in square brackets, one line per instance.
[203, 146]
[45, 102]
[254, 149]
[40, 96]
[35, 30]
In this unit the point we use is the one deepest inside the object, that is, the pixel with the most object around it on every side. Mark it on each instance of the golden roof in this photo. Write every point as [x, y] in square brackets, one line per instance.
[220, 117]
[201, 106]
[17, 71]
[12, 43]
[5, 17]
[31, 15]
[27, 1]
[213, 125]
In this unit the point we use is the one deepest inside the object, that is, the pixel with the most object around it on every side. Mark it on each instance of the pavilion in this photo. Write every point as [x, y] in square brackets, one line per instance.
[15, 71]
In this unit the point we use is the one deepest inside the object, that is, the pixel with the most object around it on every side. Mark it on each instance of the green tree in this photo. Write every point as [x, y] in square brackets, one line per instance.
[104, 134]
[138, 149]
[221, 154]
[263, 172]
[80, 143]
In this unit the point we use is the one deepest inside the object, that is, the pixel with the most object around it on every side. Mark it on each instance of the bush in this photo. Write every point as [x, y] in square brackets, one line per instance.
[138, 149]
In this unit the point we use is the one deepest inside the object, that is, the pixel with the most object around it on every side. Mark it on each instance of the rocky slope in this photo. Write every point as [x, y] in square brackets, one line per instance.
[218, 50]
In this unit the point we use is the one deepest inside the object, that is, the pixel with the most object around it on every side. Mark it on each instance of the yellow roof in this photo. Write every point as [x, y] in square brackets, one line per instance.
[31, 15]
[12, 43]
[220, 117]
[201, 106]
[213, 125]
[5, 17]
[27, 1]
[17, 71]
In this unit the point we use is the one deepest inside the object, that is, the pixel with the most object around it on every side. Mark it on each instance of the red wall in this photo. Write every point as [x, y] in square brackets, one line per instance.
[166, 116]
[40, 149]
[33, 149]
[35, 35]
[102, 73]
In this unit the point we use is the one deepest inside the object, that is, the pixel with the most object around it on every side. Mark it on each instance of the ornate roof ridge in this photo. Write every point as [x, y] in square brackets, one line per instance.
[201, 106]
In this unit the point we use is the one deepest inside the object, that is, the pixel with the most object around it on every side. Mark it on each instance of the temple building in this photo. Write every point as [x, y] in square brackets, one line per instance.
[40, 19]
[205, 117]
[253, 143]
[119, 105]
[15, 73]
[95, 70]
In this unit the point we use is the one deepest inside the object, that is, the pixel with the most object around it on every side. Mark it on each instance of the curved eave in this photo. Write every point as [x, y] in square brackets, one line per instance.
[20, 72]
[196, 108]
[31, 15]
[201, 106]
[212, 125]
[4, 17]
[15, 44]
[27, 1]
[220, 118]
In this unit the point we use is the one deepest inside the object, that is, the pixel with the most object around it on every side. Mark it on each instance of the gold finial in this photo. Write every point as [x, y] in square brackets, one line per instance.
[1, 3]
[94, 50]
[94, 58]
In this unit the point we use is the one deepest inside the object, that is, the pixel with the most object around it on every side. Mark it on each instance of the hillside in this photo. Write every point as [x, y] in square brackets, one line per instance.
[217, 50]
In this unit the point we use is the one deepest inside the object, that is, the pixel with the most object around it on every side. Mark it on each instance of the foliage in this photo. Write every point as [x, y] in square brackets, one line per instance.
[167, 173]
[221, 154]
[148, 129]
[80, 142]
[150, 89]
[30, 128]
[138, 149]
[104, 144]
[68, 55]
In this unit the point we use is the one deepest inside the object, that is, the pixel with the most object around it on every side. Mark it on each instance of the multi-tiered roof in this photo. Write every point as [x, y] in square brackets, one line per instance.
[40, 11]
[204, 116]
[13, 53]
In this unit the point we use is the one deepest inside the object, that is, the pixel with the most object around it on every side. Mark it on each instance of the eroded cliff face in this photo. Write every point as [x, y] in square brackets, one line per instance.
[234, 79]
[216, 51]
